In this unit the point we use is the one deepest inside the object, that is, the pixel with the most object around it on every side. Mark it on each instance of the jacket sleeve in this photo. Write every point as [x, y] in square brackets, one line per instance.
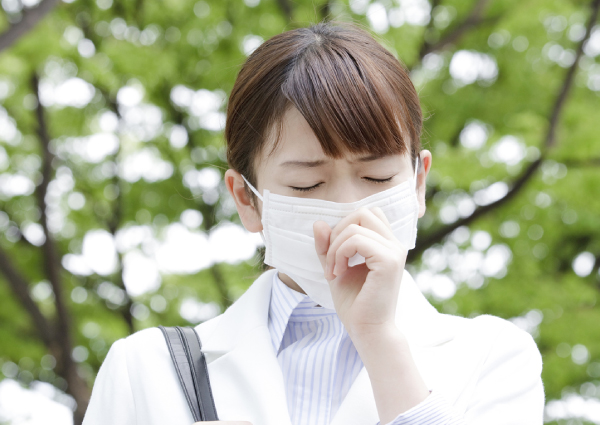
[509, 390]
[112, 400]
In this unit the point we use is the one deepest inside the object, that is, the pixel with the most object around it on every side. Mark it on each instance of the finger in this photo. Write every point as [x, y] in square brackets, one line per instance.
[363, 217]
[321, 231]
[359, 244]
[379, 213]
[347, 233]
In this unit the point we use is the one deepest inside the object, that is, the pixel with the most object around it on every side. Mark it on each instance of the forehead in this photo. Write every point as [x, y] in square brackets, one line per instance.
[297, 141]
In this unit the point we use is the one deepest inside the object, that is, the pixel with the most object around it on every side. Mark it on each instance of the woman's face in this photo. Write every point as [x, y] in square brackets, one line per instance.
[300, 168]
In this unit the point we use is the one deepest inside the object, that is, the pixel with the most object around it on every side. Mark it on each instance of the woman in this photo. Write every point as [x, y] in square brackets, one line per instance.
[323, 128]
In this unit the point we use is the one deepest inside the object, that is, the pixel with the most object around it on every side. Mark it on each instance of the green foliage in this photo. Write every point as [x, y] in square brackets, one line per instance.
[199, 44]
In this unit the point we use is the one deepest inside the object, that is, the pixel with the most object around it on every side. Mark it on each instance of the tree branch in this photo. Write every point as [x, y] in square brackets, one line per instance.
[20, 287]
[286, 8]
[139, 13]
[549, 141]
[589, 162]
[474, 19]
[65, 365]
[207, 211]
[437, 236]
[113, 226]
[115, 222]
[566, 87]
[325, 11]
[30, 18]
[428, 28]
[49, 249]
[221, 284]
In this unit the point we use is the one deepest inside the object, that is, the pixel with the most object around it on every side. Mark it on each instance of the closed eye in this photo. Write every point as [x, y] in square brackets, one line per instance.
[308, 189]
[378, 180]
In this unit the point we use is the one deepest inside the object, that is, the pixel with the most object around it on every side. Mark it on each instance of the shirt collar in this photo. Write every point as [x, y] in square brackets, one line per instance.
[289, 305]
[416, 318]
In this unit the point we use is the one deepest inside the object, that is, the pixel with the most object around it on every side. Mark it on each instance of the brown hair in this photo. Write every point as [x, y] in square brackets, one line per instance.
[354, 94]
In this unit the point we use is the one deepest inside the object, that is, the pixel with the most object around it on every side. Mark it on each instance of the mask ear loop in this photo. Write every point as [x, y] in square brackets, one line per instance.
[416, 216]
[416, 171]
[261, 233]
[252, 187]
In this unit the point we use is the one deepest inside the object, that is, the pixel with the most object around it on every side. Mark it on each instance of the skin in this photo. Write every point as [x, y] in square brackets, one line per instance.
[365, 295]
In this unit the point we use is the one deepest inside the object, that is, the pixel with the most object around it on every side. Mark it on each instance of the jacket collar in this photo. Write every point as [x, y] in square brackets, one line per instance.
[415, 316]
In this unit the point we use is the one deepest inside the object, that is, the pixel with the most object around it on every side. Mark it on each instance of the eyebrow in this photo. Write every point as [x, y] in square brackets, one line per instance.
[318, 163]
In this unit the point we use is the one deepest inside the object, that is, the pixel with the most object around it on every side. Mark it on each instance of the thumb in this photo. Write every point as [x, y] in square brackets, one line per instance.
[322, 232]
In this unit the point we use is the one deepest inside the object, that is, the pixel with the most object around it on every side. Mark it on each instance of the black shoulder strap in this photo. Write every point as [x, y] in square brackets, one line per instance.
[190, 364]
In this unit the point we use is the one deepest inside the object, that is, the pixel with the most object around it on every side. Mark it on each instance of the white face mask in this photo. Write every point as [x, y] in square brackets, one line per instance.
[289, 239]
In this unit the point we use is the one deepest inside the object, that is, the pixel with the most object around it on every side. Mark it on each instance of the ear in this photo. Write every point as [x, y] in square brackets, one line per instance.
[424, 167]
[249, 215]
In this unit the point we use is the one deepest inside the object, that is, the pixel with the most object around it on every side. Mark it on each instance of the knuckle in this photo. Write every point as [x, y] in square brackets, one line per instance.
[354, 228]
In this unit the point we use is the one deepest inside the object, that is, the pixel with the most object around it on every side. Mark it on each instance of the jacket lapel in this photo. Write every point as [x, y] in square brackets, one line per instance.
[245, 375]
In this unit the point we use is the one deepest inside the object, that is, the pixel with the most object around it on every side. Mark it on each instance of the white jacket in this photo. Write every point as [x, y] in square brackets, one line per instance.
[486, 367]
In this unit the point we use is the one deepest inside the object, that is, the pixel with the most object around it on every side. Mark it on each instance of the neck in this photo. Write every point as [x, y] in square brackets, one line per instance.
[290, 283]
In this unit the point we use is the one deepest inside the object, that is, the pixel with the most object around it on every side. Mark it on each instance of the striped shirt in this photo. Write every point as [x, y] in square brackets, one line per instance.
[319, 363]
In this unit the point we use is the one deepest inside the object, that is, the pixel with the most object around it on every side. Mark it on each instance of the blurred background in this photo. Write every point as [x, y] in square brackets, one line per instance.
[114, 216]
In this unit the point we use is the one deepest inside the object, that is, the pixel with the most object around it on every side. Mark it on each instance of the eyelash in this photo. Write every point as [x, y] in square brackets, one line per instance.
[308, 189]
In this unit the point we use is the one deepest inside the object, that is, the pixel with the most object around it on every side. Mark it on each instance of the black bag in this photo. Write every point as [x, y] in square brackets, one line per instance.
[190, 364]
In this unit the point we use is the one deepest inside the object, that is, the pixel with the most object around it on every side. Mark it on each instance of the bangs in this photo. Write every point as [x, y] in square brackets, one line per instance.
[353, 99]
[354, 94]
